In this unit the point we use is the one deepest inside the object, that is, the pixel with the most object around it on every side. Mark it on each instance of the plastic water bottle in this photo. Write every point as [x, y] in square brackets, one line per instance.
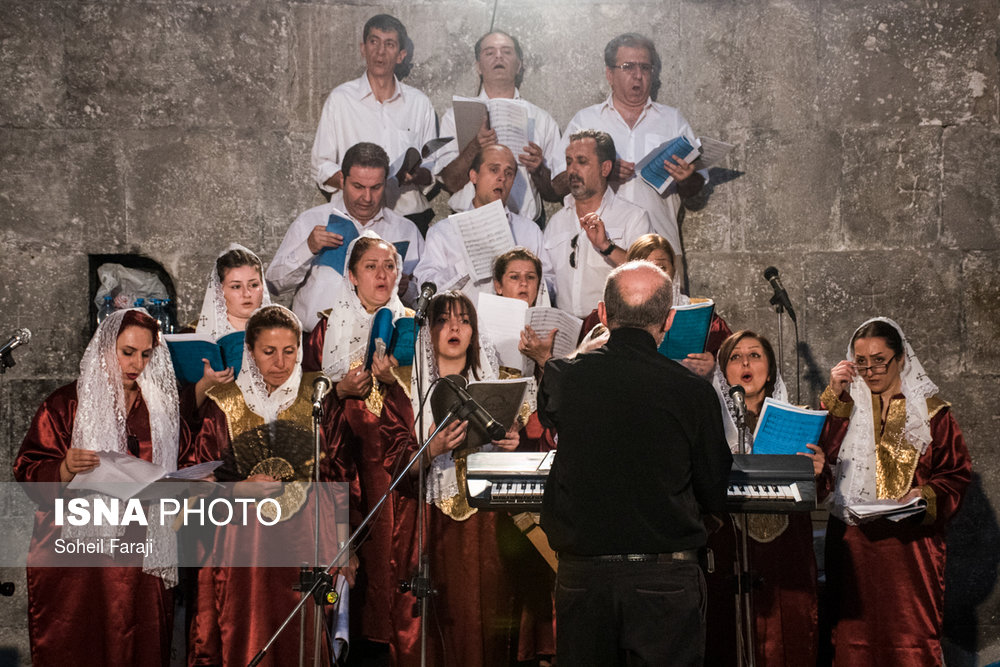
[106, 309]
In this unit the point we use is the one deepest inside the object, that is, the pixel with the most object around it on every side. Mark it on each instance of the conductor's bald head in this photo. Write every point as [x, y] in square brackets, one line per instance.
[639, 295]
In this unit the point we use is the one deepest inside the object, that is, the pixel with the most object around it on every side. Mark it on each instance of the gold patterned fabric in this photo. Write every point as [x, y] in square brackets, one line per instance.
[895, 458]
[765, 528]
[457, 507]
[834, 405]
[284, 450]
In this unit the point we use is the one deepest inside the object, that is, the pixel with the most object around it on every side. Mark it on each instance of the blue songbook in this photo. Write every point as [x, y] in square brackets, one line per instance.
[786, 429]
[651, 167]
[689, 332]
[336, 258]
[398, 337]
[188, 350]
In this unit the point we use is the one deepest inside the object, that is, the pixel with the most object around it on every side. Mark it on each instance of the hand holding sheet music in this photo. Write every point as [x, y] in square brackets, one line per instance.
[786, 429]
[485, 234]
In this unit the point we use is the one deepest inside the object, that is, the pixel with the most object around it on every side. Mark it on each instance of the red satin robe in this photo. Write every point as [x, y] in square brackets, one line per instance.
[785, 604]
[239, 608]
[96, 615]
[885, 580]
[380, 447]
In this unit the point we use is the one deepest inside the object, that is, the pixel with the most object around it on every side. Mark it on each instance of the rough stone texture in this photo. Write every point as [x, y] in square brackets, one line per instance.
[866, 168]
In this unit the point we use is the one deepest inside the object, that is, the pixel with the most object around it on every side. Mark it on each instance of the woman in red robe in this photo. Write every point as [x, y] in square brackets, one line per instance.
[124, 401]
[260, 426]
[517, 274]
[781, 558]
[372, 400]
[892, 439]
[472, 616]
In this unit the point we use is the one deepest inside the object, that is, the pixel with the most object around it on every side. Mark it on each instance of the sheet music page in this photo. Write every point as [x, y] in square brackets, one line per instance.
[485, 234]
[469, 116]
[786, 429]
[890, 509]
[543, 320]
[509, 119]
[118, 475]
[713, 152]
[689, 331]
[501, 318]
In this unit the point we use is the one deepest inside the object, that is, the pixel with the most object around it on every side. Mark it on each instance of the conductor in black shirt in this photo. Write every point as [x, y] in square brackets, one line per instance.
[642, 457]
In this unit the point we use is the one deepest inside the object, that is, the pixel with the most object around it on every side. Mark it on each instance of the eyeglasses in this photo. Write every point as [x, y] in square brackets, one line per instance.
[572, 253]
[876, 369]
[644, 68]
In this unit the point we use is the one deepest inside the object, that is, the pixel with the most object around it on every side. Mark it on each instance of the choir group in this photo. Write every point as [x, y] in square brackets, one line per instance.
[887, 435]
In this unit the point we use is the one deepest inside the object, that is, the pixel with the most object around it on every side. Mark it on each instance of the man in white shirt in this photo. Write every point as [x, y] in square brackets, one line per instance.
[361, 199]
[492, 173]
[638, 125]
[379, 108]
[591, 234]
[499, 63]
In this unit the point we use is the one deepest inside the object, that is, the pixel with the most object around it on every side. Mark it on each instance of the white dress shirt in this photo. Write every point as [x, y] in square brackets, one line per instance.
[443, 260]
[579, 289]
[293, 270]
[351, 114]
[524, 199]
[657, 123]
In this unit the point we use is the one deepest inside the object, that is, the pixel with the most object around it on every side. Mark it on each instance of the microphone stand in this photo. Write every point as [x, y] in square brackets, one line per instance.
[744, 577]
[315, 590]
[779, 309]
[420, 583]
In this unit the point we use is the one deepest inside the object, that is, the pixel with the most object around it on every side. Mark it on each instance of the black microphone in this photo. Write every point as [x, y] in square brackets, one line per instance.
[20, 337]
[427, 291]
[739, 396]
[780, 297]
[321, 387]
[472, 411]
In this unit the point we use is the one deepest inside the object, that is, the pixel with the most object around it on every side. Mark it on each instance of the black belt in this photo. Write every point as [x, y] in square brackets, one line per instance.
[689, 556]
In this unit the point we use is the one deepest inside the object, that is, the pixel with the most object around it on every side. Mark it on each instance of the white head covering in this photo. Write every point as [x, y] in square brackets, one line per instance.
[214, 318]
[100, 425]
[349, 324]
[722, 387]
[855, 474]
[251, 382]
[442, 483]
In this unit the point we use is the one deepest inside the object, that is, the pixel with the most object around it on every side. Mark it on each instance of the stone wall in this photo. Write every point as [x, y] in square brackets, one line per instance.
[867, 169]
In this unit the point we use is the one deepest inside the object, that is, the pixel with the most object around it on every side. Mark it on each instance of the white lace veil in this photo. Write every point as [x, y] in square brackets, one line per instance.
[99, 425]
[722, 387]
[442, 483]
[214, 318]
[856, 466]
[349, 324]
[265, 404]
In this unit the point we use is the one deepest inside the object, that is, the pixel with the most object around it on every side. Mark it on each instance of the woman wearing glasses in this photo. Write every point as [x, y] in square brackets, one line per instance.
[891, 438]
[111, 609]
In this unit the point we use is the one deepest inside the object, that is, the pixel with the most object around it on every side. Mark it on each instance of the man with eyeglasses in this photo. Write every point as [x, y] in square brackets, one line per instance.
[590, 235]
[638, 125]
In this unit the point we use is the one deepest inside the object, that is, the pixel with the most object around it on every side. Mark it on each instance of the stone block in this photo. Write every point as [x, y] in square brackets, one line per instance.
[44, 290]
[980, 307]
[891, 187]
[207, 183]
[168, 64]
[61, 189]
[787, 198]
[747, 65]
[971, 197]
[30, 68]
[843, 289]
[903, 63]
